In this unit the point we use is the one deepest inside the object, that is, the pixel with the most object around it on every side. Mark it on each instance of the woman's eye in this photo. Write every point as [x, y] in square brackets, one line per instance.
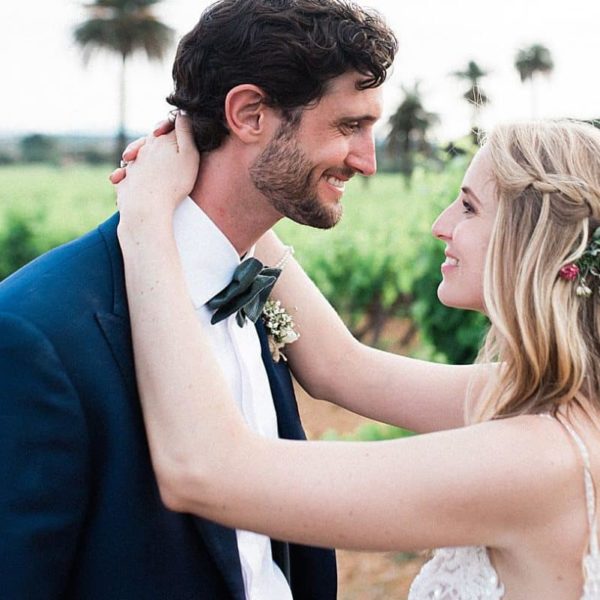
[468, 207]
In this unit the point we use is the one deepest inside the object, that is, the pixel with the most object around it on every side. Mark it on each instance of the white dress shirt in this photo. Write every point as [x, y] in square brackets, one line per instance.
[209, 261]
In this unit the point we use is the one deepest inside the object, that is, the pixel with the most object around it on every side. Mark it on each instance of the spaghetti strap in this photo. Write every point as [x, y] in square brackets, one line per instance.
[590, 495]
[591, 561]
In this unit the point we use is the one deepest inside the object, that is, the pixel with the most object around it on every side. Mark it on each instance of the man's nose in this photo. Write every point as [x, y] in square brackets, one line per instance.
[362, 157]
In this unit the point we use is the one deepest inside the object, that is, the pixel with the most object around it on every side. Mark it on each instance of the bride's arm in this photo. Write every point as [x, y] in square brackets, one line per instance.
[460, 487]
[332, 365]
[456, 487]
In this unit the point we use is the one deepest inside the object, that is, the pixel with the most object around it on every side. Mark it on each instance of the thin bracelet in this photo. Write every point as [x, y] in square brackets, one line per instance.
[289, 251]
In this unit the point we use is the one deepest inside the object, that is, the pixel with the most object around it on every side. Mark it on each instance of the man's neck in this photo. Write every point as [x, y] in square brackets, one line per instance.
[223, 190]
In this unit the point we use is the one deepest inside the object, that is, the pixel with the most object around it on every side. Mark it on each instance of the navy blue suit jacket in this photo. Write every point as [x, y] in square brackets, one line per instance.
[80, 512]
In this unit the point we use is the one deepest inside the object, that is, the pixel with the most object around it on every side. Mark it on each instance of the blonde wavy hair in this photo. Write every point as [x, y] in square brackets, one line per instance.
[544, 336]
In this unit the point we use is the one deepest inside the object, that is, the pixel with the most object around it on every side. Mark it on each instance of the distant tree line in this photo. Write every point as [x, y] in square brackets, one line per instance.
[125, 27]
[56, 150]
[408, 138]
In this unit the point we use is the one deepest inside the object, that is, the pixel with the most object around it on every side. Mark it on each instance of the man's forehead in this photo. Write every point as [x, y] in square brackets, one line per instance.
[345, 93]
[346, 82]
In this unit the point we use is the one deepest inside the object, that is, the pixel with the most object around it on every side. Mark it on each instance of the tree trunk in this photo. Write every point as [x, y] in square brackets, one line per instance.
[121, 140]
[533, 83]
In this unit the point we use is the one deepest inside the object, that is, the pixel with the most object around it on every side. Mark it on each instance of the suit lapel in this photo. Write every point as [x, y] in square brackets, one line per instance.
[282, 390]
[311, 572]
[222, 544]
[117, 333]
[288, 424]
[115, 324]
[220, 541]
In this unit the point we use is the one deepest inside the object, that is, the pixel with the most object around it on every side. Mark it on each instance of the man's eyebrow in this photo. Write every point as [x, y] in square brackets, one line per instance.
[369, 118]
[467, 191]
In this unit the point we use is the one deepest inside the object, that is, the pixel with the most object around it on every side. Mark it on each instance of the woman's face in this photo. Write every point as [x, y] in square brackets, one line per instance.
[465, 227]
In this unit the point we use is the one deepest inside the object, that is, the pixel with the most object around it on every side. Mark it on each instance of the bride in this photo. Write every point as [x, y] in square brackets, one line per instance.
[502, 479]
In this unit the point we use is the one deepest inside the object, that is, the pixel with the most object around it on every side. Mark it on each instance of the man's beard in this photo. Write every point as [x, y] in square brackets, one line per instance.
[284, 175]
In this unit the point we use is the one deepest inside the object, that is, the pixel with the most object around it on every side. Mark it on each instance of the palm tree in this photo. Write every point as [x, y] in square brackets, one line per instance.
[474, 95]
[531, 62]
[410, 125]
[123, 27]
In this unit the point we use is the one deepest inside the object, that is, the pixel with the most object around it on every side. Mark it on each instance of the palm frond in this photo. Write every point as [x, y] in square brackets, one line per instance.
[123, 27]
[533, 59]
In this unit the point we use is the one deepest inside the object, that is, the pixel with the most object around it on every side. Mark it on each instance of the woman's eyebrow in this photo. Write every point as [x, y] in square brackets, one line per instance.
[469, 192]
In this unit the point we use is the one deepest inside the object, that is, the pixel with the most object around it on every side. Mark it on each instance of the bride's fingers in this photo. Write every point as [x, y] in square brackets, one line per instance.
[117, 175]
[130, 153]
[183, 131]
[163, 127]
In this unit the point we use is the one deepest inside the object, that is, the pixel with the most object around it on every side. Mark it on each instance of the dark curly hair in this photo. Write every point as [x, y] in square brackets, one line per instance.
[290, 49]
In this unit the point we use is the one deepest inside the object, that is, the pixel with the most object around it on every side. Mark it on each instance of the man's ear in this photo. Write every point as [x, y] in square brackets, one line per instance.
[247, 113]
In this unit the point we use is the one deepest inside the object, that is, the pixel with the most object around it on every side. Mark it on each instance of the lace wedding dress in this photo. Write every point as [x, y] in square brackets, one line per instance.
[466, 573]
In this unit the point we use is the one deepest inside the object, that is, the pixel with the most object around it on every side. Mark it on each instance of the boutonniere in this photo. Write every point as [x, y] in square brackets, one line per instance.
[280, 328]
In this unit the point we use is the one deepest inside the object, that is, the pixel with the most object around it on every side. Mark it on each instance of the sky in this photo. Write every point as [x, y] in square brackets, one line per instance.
[46, 88]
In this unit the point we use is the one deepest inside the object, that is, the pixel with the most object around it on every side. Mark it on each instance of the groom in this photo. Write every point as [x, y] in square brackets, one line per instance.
[282, 96]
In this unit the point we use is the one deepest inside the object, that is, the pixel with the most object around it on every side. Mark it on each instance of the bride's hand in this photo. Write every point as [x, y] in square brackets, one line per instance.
[161, 176]
[131, 151]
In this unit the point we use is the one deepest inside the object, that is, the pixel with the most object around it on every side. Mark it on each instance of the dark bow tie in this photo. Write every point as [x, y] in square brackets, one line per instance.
[246, 294]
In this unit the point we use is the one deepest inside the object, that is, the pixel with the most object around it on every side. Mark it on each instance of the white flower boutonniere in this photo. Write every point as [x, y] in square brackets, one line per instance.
[280, 328]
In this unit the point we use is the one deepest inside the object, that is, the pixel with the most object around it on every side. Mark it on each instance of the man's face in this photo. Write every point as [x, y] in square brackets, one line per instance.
[304, 168]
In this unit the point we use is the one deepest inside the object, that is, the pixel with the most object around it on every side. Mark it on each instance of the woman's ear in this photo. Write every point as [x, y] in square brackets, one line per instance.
[247, 113]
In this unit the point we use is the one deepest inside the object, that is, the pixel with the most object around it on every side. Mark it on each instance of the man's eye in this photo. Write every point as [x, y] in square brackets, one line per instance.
[350, 126]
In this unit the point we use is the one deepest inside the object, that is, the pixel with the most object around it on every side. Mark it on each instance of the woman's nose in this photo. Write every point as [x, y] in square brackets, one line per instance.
[442, 226]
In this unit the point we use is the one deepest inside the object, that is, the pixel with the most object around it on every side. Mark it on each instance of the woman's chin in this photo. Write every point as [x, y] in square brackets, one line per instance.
[460, 301]
[446, 297]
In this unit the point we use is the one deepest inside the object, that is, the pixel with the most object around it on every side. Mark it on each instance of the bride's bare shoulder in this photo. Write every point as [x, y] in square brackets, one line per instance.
[542, 465]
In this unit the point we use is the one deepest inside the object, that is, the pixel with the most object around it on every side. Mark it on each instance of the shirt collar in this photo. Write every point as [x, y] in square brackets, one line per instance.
[207, 256]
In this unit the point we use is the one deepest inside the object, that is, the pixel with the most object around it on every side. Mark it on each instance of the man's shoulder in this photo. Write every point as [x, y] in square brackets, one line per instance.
[65, 274]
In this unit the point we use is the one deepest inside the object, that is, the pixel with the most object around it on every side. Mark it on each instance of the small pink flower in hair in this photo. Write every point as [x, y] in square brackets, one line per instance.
[569, 272]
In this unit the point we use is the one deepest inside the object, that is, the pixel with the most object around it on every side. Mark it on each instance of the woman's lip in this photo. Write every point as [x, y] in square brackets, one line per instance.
[449, 264]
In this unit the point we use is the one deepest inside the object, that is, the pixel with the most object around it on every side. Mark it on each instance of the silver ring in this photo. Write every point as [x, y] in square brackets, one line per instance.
[172, 115]
[123, 164]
